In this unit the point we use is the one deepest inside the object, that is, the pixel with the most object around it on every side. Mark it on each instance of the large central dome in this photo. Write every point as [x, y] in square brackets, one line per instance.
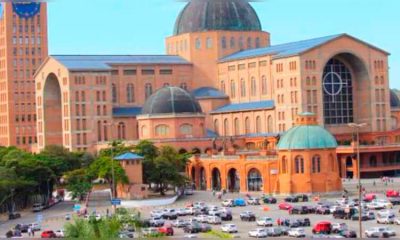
[207, 15]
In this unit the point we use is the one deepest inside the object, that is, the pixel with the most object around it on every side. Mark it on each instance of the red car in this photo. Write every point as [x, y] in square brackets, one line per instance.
[322, 228]
[48, 234]
[169, 231]
[284, 206]
[392, 193]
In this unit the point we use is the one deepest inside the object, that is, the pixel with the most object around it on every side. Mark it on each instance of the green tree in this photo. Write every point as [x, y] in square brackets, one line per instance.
[106, 228]
[78, 183]
[149, 152]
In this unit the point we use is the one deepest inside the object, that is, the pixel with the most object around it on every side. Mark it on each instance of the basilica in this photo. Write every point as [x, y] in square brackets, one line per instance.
[256, 117]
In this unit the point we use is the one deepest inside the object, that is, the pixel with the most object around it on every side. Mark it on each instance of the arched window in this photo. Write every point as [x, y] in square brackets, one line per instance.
[254, 180]
[223, 86]
[121, 131]
[299, 164]
[249, 42]
[236, 127]
[162, 130]
[233, 89]
[143, 131]
[148, 90]
[284, 165]
[186, 129]
[264, 85]
[130, 93]
[114, 93]
[258, 42]
[226, 127]
[198, 43]
[241, 44]
[232, 42]
[209, 43]
[242, 88]
[258, 124]
[316, 164]
[99, 131]
[270, 127]
[216, 126]
[337, 93]
[247, 127]
[105, 127]
[223, 42]
[253, 86]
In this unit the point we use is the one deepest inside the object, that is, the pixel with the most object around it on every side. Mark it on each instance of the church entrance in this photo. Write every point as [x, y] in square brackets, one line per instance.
[53, 131]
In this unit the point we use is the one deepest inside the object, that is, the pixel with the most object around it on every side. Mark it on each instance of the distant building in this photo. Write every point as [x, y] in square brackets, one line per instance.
[225, 93]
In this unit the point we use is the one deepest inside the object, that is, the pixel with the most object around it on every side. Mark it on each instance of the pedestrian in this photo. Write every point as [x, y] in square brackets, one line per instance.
[33, 233]
[213, 193]
[29, 231]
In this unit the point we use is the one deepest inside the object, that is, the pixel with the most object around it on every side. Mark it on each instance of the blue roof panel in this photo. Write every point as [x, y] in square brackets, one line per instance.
[126, 111]
[104, 62]
[208, 92]
[128, 156]
[247, 106]
[282, 50]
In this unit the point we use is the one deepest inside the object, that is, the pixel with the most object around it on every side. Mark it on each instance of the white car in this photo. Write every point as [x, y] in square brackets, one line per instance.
[228, 203]
[297, 232]
[179, 223]
[188, 191]
[214, 220]
[225, 210]
[375, 206]
[385, 203]
[385, 219]
[339, 227]
[397, 221]
[386, 212]
[229, 228]
[379, 231]
[201, 218]
[258, 233]
[334, 208]
[37, 207]
[35, 227]
[156, 213]
[59, 233]
[199, 204]
[265, 222]
[181, 212]
[253, 201]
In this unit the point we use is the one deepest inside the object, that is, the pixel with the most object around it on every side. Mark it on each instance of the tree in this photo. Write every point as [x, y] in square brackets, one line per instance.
[78, 183]
[106, 228]
[149, 152]
[167, 169]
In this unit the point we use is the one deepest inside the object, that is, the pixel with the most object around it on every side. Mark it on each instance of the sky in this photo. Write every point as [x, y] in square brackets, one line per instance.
[140, 26]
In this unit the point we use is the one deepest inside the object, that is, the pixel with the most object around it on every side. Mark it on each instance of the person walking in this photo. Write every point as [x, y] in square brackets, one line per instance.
[29, 231]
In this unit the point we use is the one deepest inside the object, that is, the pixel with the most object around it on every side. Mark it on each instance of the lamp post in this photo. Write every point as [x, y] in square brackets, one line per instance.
[356, 127]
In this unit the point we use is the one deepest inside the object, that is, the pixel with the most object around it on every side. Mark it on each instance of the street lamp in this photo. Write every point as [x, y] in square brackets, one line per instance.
[356, 127]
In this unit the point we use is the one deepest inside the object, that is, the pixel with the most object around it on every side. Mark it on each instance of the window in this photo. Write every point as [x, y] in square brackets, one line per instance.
[105, 128]
[99, 131]
[223, 42]
[162, 130]
[233, 89]
[316, 164]
[236, 127]
[216, 126]
[249, 43]
[226, 127]
[222, 86]
[258, 124]
[130, 93]
[242, 88]
[232, 42]
[186, 129]
[241, 44]
[299, 164]
[198, 43]
[114, 92]
[258, 42]
[253, 87]
[284, 165]
[147, 71]
[337, 93]
[264, 85]
[247, 128]
[121, 131]
[148, 90]
[130, 72]
[209, 43]
[165, 71]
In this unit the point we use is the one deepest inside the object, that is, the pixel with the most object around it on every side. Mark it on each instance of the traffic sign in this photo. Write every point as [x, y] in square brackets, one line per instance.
[77, 207]
[116, 201]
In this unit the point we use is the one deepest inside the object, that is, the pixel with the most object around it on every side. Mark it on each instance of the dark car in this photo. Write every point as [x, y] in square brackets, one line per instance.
[394, 200]
[192, 228]
[302, 198]
[322, 210]
[284, 230]
[170, 214]
[348, 234]
[299, 210]
[269, 200]
[225, 216]
[22, 227]
[344, 214]
[304, 222]
[248, 216]
[291, 199]
[364, 217]
[13, 216]
[205, 228]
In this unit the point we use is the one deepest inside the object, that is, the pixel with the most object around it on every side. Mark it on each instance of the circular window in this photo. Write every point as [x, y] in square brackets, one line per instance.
[333, 83]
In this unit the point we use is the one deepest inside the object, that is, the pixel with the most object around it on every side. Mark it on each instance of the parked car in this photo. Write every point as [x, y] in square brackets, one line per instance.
[380, 232]
[322, 210]
[149, 231]
[14, 215]
[229, 228]
[291, 199]
[375, 206]
[205, 228]
[394, 200]
[322, 228]
[37, 207]
[225, 216]
[369, 197]
[126, 234]
[269, 200]
[156, 222]
[258, 233]
[156, 213]
[253, 201]
[297, 232]
[364, 217]
[299, 210]
[341, 213]
[339, 227]
[228, 203]
[392, 193]
[265, 222]
[304, 222]
[180, 223]
[385, 219]
[60, 233]
[201, 218]
[214, 220]
[167, 230]
[248, 216]
[192, 228]
[301, 198]
[284, 230]
[170, 214]
[348, 234]
[48, 234]
[35, 227]
[240, 202]
[188, 191]
[274, 231]
[284, 206]
[22, 227]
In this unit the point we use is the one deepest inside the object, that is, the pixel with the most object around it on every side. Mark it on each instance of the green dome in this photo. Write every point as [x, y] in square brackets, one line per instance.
[307, 137]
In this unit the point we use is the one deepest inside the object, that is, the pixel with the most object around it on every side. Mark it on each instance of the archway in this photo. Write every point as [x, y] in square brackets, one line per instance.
[52, 108]
[233, 180]
[203, 181]
[196, 151]
[254, 181]
[349, 162]
[216, 179]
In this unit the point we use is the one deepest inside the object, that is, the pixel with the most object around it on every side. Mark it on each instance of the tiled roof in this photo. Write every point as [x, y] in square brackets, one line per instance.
[247, 106]
[104, 62]
[281, 50]
[208, 92]
[128, 156]
[126, 111]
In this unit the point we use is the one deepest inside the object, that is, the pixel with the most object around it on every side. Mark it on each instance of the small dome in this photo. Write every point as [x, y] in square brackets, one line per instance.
[208, 92]
[171, 100]
[307, 137]
[394, 99]
[208, 15]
